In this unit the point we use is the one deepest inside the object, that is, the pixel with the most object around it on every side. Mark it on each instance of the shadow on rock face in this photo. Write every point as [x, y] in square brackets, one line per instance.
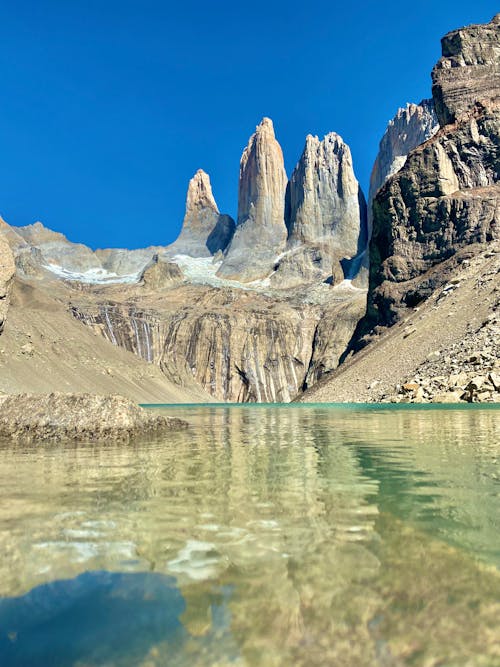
[95, 618]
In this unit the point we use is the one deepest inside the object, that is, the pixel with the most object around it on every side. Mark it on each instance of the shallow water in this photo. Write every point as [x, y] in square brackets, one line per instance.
[259, 536]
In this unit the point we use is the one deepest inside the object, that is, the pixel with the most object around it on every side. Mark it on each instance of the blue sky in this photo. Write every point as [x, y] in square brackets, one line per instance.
[108, 108]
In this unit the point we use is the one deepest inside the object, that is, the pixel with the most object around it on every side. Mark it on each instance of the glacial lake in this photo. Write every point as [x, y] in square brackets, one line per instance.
[261, 536]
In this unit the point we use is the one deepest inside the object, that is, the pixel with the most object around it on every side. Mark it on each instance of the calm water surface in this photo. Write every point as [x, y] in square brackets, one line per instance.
[261, 536]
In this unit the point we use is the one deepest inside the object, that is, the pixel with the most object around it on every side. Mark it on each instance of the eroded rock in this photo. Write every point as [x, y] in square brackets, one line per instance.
[79, 417]
[468, 72]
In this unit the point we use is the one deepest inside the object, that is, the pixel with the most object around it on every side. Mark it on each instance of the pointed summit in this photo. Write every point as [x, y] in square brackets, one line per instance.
[325, 212]
[199, 196]
[204, 230]
[261, 231]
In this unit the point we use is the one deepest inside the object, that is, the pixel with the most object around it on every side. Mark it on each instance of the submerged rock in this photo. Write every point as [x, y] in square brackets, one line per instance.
[79, 417]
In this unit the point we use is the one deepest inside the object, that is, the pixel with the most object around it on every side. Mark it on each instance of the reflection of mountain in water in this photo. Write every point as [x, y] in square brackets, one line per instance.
[101, 618]
[96, 617]
[313, 535]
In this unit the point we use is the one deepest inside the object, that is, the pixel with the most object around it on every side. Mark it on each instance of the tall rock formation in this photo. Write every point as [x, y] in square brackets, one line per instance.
[261, 232]
[468, 73]
[447, 194]
[204, 230]
[410, 127]
[7, 270]
[325, 212]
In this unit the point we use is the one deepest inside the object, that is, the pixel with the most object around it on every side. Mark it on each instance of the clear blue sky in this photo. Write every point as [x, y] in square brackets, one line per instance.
[108, 107]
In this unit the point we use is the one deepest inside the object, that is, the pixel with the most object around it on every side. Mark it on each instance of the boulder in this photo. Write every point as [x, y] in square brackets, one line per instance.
[79, 417]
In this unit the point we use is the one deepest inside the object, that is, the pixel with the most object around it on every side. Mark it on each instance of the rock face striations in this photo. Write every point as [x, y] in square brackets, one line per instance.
[468, 74]
[410, 127]
[325, 213]
[447, 194]
[204, 230]
[7, 270]
[261, 231]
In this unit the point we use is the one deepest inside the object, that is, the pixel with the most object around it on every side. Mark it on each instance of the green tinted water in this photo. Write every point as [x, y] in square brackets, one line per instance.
[259, 536]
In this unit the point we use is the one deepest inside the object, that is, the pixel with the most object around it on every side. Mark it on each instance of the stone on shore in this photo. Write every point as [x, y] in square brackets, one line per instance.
[79, 417]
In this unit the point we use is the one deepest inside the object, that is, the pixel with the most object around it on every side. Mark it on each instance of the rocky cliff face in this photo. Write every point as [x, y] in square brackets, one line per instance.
[204, 230]
[237, 345]
[7, 270]
[468, 73]
[447, 195]
[410, 127]
[261, 233]
[325, 213]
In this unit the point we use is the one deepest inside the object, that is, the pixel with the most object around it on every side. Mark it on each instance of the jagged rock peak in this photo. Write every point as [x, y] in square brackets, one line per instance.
[323, 199]
[410, 127]
[261, 232]
[325, 213]
[199, 194]
[468, 72]
[204, 230]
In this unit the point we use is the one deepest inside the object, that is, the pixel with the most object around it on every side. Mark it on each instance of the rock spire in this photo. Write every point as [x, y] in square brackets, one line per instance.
[261, 232]
[204, 230]
[325, 208]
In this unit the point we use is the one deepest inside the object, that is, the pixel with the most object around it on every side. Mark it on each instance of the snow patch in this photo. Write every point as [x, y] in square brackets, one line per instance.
[203, 270]
[95, 276]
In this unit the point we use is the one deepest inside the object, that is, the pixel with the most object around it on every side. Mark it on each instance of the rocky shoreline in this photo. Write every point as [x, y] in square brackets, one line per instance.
[79, 418]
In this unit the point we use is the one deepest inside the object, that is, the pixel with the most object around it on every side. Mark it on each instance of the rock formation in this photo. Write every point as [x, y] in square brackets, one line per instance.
[238, 345]
[7, 270]
[161, 272]
[204, 230]
[410, 127]
[447, 194]
[79, 417]
[468, 74]
[261, 233]
[325, 213]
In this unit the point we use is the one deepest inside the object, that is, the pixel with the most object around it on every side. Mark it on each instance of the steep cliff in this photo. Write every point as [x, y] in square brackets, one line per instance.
[204, 230]
[261, 233]
[435, 249]
[325, 213]
[468, 72]
[238, 345]
[447, 195]
[7, 270]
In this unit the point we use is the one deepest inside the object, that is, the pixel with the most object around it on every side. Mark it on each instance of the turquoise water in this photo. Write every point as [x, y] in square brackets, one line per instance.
[262, 535]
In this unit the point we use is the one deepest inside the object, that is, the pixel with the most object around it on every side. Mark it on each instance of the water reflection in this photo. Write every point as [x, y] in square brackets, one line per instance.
[347, 537]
